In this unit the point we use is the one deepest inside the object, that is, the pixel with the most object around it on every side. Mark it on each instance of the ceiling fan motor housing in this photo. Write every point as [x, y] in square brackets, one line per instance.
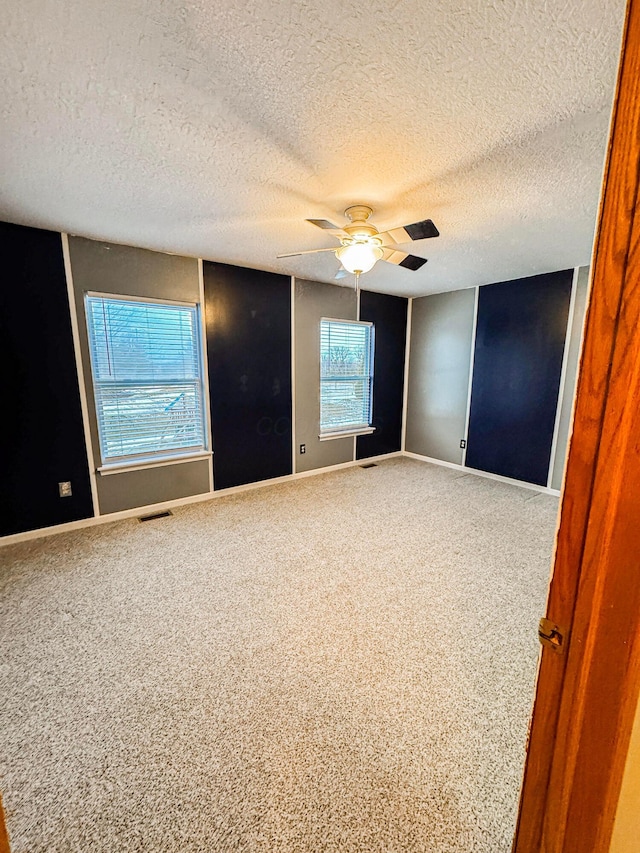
[360, 229]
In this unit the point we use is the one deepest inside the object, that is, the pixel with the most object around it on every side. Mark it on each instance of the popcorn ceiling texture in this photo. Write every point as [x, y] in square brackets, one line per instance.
[215, 129]
[343, 664]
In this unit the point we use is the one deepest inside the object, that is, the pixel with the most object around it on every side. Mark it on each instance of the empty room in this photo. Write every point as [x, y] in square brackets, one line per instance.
[319, 357]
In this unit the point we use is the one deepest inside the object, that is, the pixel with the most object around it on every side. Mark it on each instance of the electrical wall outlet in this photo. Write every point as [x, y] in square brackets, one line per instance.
[65, 489]
[303, 448]
[463, 443]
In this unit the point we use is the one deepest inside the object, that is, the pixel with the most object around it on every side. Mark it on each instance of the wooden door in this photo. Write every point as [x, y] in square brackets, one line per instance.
[587, 692]
[4, 838]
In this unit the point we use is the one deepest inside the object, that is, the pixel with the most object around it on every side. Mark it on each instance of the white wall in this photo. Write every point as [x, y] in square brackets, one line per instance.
[439, 361]
[626, 830]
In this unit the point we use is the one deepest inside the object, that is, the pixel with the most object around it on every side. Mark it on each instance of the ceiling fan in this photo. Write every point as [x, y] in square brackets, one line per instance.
[362, 245]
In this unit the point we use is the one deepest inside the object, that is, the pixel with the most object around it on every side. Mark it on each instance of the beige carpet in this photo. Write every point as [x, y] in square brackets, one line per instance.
[343, 663]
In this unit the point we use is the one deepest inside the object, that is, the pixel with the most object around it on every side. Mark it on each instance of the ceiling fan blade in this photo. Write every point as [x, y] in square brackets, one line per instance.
[328, 226]
[342, 273]
[307, 252]
[416, 231]
[402, 259]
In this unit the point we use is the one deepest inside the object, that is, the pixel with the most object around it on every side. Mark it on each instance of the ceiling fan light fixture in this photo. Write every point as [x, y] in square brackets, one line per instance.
[359, 257]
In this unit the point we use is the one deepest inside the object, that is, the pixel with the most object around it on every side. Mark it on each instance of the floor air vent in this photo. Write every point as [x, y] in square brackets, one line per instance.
[155, 515]
[369, 465]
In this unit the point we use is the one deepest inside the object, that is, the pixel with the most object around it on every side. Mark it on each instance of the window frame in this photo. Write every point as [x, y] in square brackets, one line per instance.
[169, 456]
[354, 429]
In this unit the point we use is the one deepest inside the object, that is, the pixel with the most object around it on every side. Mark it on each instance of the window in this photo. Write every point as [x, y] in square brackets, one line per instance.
[346, 376]
[147, 378]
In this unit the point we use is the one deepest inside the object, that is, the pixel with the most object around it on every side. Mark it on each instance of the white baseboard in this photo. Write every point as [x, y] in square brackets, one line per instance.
[136, 512]
[545, 490]
[149, 509]
[433, 461]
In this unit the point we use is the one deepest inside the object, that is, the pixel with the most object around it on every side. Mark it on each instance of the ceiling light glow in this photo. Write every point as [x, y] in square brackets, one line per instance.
[359, 257]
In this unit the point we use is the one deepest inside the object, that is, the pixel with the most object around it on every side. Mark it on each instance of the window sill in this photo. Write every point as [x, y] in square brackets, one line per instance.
[329, 436]
[151, 462]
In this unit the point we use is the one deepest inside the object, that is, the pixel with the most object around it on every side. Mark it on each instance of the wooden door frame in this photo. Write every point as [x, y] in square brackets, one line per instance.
[587, 693]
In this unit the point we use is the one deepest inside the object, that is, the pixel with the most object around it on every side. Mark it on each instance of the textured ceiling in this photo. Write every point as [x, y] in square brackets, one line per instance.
[215, 129]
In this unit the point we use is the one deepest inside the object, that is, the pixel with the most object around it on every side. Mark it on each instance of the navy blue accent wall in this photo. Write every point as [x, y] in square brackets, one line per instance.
[389, 315]
[43, 441]
[248, 322]
[516, 375]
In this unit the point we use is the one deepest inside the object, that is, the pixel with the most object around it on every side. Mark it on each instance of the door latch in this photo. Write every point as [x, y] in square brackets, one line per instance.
[550, 634]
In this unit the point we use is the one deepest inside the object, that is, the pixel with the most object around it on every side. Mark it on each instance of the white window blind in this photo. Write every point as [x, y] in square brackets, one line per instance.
[147, 377]
[346, 375]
